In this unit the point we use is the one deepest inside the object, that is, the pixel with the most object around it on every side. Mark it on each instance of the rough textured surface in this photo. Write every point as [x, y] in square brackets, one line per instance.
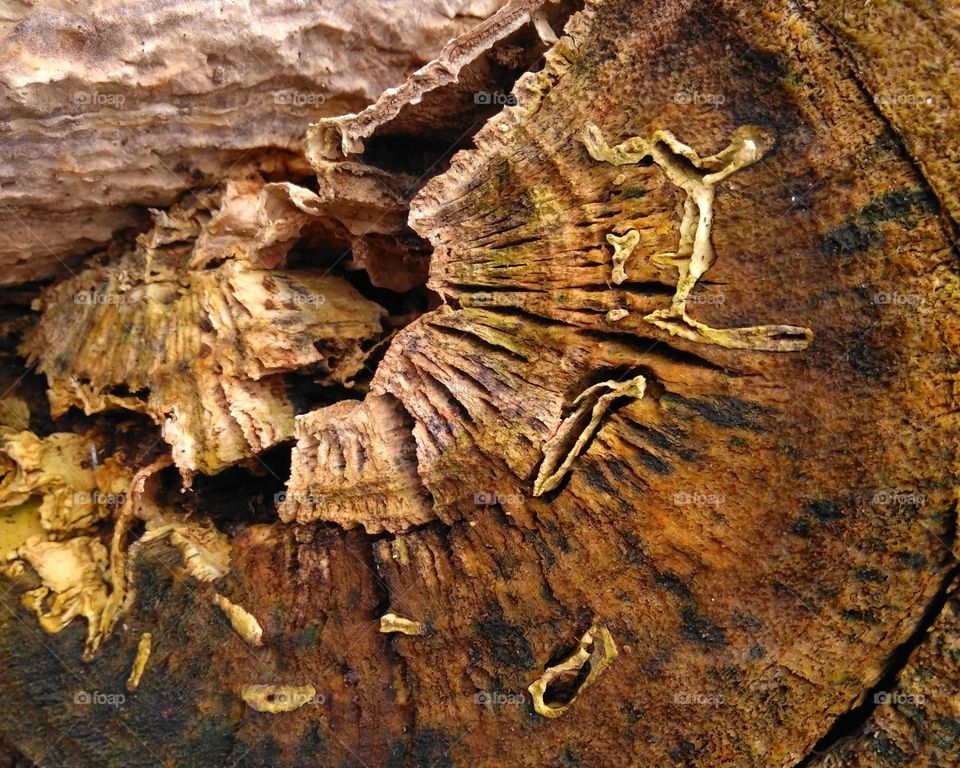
[905, 55]
[765, 531]
[191, 329]
[916, 720]
[109, 106]
[356, 464]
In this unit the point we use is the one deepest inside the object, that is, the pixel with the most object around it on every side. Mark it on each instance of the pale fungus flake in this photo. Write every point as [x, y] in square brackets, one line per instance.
[616, 315]
[74, 584]
[572, 436]
[391, 622]
[242, 621]
[140, 662]
[596, 648]
[209, 324]
[205, 550]
[698, 177]
[277, 699]
[73, 495]
[623, 247]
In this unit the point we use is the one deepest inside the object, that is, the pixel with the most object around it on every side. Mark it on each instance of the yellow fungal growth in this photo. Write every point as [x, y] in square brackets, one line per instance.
[390, 622]
[243, 622]
[575, 431]
[596, 648]
[276, 699]
[16, 526]
[205, 550]
[74, 584]
[140, 662]
[622, 249]
[698, 177]
[73, 496]
[616, 315]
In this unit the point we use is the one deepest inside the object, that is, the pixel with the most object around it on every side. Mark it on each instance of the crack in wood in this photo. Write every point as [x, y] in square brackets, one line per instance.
[560, 451]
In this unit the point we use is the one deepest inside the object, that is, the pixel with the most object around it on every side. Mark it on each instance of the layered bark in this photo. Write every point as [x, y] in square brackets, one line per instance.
[112, 106]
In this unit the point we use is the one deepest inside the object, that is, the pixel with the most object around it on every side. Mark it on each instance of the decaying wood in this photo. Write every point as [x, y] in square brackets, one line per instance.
[111, 106]
[193, 330]
[914, 721]
[355, 463]
[665, 475]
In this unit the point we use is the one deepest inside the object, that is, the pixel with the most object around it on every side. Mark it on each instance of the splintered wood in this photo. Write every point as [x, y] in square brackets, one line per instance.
[356, 464]
[198, 342]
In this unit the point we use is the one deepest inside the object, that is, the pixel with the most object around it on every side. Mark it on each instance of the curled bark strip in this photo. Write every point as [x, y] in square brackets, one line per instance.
[561, 450]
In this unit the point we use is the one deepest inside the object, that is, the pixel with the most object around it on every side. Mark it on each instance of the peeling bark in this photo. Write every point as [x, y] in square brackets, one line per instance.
[113, 106]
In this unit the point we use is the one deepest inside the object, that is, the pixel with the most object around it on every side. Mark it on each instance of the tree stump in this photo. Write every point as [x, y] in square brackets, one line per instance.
[663, 474]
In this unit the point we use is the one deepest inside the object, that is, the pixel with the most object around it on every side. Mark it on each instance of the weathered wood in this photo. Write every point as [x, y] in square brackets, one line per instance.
[667, 478]
[108, 107]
